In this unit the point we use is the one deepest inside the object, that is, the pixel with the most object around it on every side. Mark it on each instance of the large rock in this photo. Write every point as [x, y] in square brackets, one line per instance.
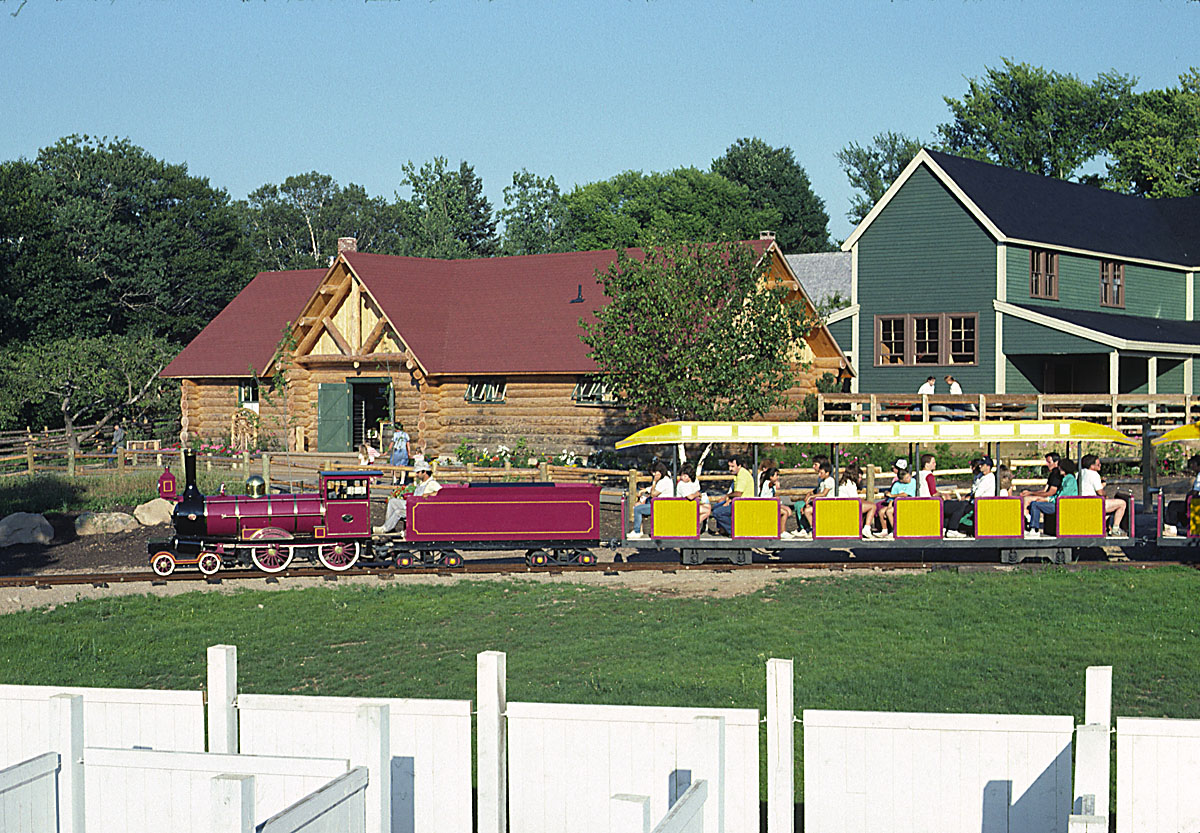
[25, 528]
[154, 512]
[97, 523]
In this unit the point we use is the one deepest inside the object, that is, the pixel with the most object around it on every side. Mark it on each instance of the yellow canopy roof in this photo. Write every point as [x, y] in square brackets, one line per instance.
[850, 433]
[1175, 435]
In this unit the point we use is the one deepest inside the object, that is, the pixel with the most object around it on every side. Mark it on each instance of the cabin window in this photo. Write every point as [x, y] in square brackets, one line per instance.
[1043, 274]
[593, 390]
[943, 339]
[483, 390]
[889, 340]
[1112, 284]
[248, 394]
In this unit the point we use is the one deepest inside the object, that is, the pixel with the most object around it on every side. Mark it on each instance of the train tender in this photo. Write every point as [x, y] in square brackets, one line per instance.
[551, 522]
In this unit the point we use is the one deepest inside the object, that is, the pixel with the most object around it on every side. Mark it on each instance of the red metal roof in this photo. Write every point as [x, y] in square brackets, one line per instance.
[246, 333]
[500, 315]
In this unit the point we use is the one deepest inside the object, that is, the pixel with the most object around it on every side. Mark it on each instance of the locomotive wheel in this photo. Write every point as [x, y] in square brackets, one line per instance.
[163, 563]
[209, 563]
[339, 556]
[404, 560]
[273, 558]
[451, 559]
[537, 558]
[585, 557]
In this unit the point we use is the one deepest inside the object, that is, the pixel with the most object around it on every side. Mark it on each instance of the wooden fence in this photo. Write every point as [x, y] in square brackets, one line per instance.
[1120, 411]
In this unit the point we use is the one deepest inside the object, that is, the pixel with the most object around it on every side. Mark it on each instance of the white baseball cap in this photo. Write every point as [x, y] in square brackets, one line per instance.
[902, 464]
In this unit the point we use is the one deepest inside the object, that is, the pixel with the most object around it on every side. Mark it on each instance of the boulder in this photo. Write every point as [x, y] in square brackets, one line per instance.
[97, 523]
[154, 512]
[25, 528]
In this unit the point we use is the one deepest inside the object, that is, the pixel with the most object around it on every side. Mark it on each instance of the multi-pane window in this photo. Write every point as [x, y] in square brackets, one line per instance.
[486, 389]
[1112, 284]
[926, 341]
[890, 344]
[943, 339]
[248, 392]
[593, 390]
[1043, 274]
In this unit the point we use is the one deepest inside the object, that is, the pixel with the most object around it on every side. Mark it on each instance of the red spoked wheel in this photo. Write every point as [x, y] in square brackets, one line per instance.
[451, 559]
[271, 558]
[209, 563]
[537, 558]
[585, 557]
[404, 560]
[340, 555]
[163, 563]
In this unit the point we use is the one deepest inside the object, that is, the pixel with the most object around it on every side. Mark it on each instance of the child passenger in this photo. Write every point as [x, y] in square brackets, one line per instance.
[902, 486]
[769, 487]
[688, 487]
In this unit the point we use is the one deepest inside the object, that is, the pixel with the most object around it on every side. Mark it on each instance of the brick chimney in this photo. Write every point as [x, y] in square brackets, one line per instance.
[350, 244]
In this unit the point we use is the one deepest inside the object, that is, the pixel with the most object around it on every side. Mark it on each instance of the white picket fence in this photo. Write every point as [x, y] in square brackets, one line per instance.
[936, 772]
[338, 807]
[1158, 775]
[600, 751]
[28, 796]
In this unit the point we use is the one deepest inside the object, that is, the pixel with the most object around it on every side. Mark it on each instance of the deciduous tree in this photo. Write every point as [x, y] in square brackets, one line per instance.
[448, 216]
[533, 216]
[874, 168]
[776, 180]
[694, 331]
[1157, 148]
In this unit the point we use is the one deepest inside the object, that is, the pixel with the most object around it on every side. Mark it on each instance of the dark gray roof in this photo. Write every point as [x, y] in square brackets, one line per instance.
[1128, 327]
[1055, 212]
[822, 274]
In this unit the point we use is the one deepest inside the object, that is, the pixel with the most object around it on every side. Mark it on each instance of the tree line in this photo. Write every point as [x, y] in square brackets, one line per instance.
[111, 259]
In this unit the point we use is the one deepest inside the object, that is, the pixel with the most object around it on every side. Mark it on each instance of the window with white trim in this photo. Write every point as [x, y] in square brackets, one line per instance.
[593, 390]
[483, 390]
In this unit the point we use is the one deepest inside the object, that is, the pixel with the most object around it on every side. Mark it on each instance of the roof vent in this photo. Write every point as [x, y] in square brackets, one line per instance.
[766, 235]
[578, 299]
[350, 244]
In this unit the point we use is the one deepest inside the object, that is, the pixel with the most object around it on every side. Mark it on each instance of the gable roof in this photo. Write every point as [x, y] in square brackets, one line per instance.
[1020, 207]
[245, 334]
[822, 274]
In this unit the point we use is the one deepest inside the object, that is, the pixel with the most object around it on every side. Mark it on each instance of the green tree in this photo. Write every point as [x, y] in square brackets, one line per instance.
[692, 331]
[89, 379]
[776, 180]
[874, 168]
[448, 216]
[1157, 149]
[633, 208]
[533, 216]
[119, 242]
[296, 224]
[1031, 119]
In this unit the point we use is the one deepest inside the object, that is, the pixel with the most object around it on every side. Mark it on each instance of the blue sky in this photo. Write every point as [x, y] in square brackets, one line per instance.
[251, 92]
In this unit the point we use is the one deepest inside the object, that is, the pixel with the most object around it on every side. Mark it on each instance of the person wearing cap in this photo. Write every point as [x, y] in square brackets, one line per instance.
[1039, 509]
[964, 514]
[903, 485]
[397, 505]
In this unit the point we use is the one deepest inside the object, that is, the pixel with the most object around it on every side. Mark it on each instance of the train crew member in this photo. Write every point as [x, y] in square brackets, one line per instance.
[397, 505]
[1054, 480]
[962, 513]
[768, 486]
[688, 487]
[742, 486]
[903, 485]
[1175, 516]
[661, 486]
[1090, 483]
[1040, 508]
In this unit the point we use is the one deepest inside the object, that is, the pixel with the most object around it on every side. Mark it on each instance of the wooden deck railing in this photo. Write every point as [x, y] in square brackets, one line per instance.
[1119, 411]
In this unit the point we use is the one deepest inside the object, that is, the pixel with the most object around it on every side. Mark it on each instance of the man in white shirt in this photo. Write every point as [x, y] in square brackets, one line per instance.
[927, 388]
[1091, 484]
[397, 505]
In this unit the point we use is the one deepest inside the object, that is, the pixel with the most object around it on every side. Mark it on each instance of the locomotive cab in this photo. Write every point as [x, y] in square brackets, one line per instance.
[347, 501]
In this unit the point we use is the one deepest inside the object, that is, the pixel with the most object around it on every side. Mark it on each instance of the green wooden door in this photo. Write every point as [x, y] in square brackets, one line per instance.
[333, 417]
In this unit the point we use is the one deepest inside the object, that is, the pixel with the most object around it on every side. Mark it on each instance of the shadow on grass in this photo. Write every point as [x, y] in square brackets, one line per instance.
[38, 494]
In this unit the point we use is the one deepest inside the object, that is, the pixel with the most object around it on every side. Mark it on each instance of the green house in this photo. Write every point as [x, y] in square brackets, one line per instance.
[1017, 283]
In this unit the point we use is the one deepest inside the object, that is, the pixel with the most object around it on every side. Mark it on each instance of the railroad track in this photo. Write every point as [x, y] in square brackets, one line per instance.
[610, 568]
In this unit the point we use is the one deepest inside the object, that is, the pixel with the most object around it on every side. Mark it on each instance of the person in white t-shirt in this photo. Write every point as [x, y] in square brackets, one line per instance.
[928, 388]
[824, 489]
[688, 487]
[660, 487]
[1090, 483]
[768, 488]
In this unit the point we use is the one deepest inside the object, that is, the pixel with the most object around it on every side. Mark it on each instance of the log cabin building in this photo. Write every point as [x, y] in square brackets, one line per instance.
[485, 351]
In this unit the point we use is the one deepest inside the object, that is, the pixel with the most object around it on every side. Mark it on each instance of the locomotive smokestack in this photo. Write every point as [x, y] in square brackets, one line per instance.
[190, 489]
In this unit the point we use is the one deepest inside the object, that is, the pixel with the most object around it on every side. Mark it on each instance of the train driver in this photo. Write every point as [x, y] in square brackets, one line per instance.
[397, 505]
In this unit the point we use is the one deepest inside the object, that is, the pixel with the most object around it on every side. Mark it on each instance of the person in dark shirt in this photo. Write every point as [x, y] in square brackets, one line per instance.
[1054, 481]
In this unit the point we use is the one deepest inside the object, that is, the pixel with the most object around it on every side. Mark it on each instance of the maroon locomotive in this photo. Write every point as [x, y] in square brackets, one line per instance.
[551, 522]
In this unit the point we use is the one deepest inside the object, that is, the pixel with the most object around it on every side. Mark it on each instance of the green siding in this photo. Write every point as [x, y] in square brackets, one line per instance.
[924, 253]
[1170, 375]
[843, 331]
[1149, 291]
[1022, 374]
[1026, 338]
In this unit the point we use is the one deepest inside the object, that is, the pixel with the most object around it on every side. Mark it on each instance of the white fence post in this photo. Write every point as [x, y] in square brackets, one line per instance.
[222, 695]
[66, 718]
[1093, 753]
[710, 767]
[233, 803]
[628, 812]
[372, 749]
[491, 674]
[781, 747]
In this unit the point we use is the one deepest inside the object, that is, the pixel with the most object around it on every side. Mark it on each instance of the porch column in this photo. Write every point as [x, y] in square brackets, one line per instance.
[1114, 372]
[856, 322]
[1152, 381]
